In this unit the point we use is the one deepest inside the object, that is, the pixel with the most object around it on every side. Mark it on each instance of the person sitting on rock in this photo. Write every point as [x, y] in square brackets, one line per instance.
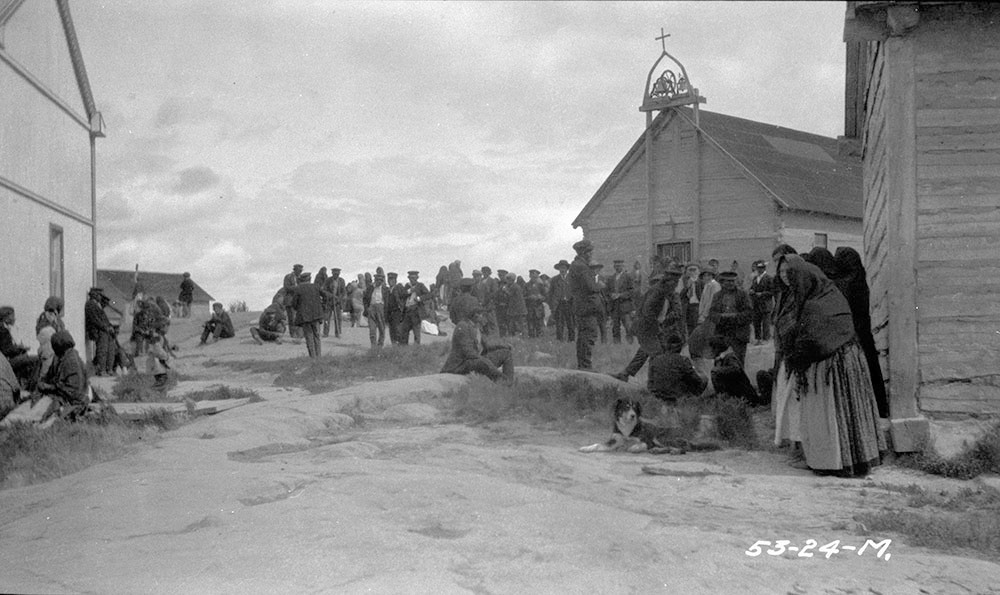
[463, 304]
[271, 325]
[671, 375]
[473, 352]
[66, 381]
[728, 376]
[220, 326]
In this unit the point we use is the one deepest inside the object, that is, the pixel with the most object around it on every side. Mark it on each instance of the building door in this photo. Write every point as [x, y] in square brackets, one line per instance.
[680, 252]
[56, 281]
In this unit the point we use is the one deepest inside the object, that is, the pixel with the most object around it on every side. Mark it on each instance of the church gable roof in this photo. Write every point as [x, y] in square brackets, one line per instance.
[799, 170]
[167, 285]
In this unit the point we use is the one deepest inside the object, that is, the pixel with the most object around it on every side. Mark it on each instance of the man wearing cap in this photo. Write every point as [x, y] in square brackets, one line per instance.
[219, 326]
[394, 307]
[486, 292]
[473, 352]
[534, 300]
[731, 313]
[336, 289]
[586, 303]
[622, 290]
[99, 330]
[307, 301]
[561, 303]
[762, 299]
[415, 294]
[291, 281]
[501, 302]
[375, 299]
[658, 318]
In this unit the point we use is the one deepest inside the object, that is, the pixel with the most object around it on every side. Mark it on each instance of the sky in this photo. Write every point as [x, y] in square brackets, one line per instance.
[244, 137]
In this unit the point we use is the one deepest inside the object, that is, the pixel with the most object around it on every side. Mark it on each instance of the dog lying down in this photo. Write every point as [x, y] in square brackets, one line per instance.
[631, 434]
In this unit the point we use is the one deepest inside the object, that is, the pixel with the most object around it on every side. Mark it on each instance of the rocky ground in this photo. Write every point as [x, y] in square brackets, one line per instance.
[372, 488]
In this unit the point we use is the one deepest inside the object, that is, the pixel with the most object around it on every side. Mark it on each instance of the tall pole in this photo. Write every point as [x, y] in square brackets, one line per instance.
[650, 188]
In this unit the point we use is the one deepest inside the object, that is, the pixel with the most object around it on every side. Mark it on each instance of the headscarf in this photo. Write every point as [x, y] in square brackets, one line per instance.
[815, 319]
[822, 258]
[62, 342]
[853, 283]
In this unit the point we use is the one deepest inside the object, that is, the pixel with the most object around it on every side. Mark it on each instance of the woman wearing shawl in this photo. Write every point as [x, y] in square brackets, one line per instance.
[822, 358]
[784, 405]
[852, 282]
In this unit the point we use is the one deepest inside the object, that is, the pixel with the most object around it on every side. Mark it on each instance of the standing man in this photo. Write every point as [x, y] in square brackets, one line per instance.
[623, 291]
[337, 290]
[586, 303]
[416, 293]
[375, 300]
[517, 308]
[731, 313]
[762, 299]
[534, 299]
[394, 308]
[486, 292]
[186, 295]
[291, 281]
[561, 303]
[602, 319]
[99, 330]
[307, 300]
[710, 287]
[689, 290]
[501, 299]
[659, 317]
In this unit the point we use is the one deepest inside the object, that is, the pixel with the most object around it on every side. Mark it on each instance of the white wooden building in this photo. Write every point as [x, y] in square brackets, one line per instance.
[923, 103]
[724, 188]
[48, 127]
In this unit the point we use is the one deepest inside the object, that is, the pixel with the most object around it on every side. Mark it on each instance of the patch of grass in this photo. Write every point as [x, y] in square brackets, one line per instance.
[968, 519]
[734, 418]
[323, 374]
[981, 457]
[138, 388]
[221, 392]
[30, 455]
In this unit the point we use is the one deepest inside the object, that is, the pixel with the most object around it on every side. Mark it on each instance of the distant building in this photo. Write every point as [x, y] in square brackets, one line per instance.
[725, 188]
[48, 128]
[119, 285]
[923, 104]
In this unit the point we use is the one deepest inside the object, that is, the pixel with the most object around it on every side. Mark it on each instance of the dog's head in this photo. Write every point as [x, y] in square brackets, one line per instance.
[627, 413]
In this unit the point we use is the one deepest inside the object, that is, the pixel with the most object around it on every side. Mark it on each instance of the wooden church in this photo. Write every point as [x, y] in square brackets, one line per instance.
[698, 185]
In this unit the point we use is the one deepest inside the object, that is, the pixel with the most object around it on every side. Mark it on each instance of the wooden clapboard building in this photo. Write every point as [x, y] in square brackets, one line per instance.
[923, 103]
[726, 188]
[48, 127]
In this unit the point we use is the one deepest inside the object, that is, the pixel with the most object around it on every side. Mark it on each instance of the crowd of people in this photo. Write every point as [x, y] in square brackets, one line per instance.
[825, 386]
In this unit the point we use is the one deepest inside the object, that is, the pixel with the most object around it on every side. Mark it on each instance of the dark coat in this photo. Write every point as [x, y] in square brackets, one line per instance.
[307, 299]
[515, 300]
[95, 320]
[558, 291]
[463, 348]
[584, 289]
[67, 379]
[623, 285]
[367, 299]
[731, 313]
[272, 319]
[462, 307]
[671, 376]
[762, 293]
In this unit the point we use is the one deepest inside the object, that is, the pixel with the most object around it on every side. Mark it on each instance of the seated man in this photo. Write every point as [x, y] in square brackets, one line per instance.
[271, 325]
[66, 381]
[728, 376]
[219, 326]
[671, 375]
[463, 303]
[472, 352]
[24, 364]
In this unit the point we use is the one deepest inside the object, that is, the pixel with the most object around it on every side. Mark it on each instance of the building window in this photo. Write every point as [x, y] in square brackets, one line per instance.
[819, 240]
[678, 251]
[56, 284]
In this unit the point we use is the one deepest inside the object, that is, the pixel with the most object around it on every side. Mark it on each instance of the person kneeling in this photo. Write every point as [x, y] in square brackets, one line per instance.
[271, 325]
[471, 352]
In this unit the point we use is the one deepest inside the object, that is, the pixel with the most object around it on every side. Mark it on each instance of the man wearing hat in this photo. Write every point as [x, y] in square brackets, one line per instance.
[291, 281]
[186, 296]
[336, 289]
[731, 313]
[761, 299]
[415, 294]
[307, 301]
[375, 299]
[621, 287]
[473, 352]
[602, 317]
[587, 304]
[561, 303]
[658, 318]
[99, 330]
[394, 307]
[534, 299]
[464, 303]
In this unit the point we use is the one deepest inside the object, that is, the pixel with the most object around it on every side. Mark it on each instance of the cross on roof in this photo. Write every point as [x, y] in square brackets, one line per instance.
[663, 39]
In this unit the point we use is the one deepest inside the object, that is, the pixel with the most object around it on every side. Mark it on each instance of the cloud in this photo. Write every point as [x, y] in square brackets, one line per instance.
[192, 180]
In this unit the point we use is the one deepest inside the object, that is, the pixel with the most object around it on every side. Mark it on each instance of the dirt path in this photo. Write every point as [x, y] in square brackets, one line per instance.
[294, 495]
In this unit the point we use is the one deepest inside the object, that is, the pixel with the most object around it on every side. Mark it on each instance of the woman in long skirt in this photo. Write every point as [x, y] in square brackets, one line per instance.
[831, 382]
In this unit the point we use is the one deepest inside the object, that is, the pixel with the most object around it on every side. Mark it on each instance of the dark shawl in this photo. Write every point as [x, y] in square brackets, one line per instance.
[815, 319]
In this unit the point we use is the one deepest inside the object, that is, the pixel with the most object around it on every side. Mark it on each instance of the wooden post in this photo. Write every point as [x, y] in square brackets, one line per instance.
[650, 187]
